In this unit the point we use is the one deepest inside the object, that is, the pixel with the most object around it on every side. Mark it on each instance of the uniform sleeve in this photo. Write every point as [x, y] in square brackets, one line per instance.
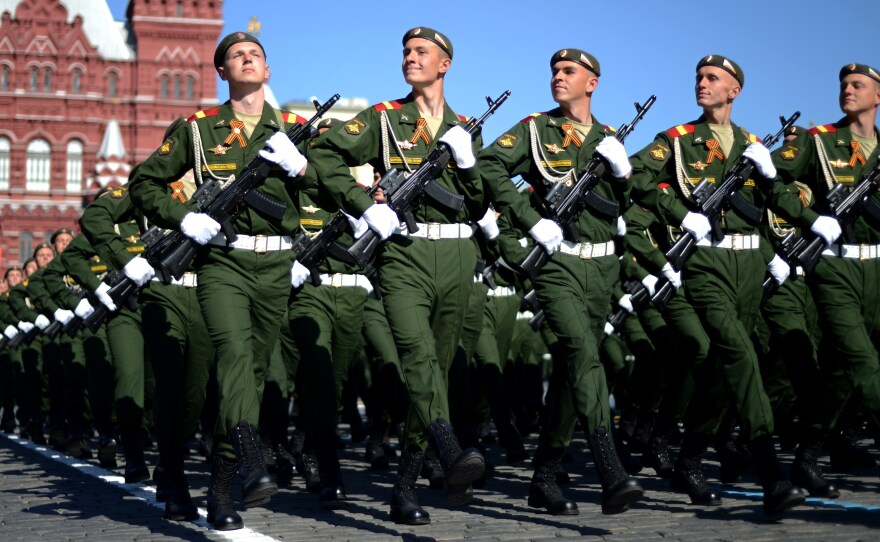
[17, 303]
[638, 240]
[650, 167]
[352, 144]
[98, 225]
[507, 157]
[76, 258]
[53, 278]
[39, 294]
[148, 182]
[793, 161]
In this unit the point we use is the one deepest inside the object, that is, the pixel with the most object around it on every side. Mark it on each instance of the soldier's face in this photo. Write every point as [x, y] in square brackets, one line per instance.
[245, 64]
[30, 267]
[14, 277]
[43, 257]
[423, 62]
[715, 87]
[858, 93]
[61, 242]
[570, 81]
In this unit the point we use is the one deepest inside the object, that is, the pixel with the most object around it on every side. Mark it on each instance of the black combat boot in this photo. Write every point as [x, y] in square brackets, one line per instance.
[688, 474]
[544, 491]
[461, 467]
[656, 454]
[135, 465]
[405, 507]
[779, 493]
[310, 471]
[432, 471]
[618, 490]
[331, 477]
[179, 505]
[805, 471]
[257, 485]
[221, 514]
[375, 452]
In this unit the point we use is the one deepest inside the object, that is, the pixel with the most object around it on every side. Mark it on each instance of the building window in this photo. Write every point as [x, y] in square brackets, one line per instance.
[163, 88]
[4, 163]
[179, 8]
[190, 87]
[35, 79]
[38, 169]
[76, 85]
[74, 166]
[25, 246]
[47, 80]
[176, 87]
[111, 85]
[4, 78]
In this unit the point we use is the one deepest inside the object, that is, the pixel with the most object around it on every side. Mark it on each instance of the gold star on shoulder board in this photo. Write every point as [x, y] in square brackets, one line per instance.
[553, 148]
[219, 150]
[698, 166]
[311, 209]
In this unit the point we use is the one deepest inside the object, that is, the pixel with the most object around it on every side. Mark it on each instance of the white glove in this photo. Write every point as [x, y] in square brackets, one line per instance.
[10, 332]
[281, 150]
[382, 219]
[759, 154]
[621, 226]
[696, 224]
[104, 297]
[778, 269]
[827, 228]
[650, 282]
[548, 234]
[199, 227]
[84, 309]
[25, 326]
[609, 329]
[626, 303]
[670, 274]
[299, 274]
[64, 316]
[614, 153]
[139, 271]
[461, 144]
[42, 322]
[358, 225]
[489, 224]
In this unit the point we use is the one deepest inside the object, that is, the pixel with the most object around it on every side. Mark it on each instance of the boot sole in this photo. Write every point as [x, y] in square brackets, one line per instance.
[260, 495]
[620, 503]
[540, 503]
[460, 477]
[228, 527]
[396, 518]
[787, 504]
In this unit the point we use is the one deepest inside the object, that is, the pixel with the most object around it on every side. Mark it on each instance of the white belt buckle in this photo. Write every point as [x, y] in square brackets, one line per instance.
[261, 244]
[586, 251]
[737, 241]
[336, 280]
[434, 231]
[864, 252]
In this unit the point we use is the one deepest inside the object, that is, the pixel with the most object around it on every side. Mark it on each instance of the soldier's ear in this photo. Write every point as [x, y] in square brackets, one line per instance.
[222, 72]
[266, 77]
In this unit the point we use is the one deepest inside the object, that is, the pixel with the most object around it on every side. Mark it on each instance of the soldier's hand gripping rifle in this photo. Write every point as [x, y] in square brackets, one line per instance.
[791, 245]
[310, 251]
[171, 253]
[121, 291]
[845, 206]
[404, 193]
[565, 203]
[711, 199]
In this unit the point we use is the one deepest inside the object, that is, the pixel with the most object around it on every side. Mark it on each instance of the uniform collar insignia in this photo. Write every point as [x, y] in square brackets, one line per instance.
[553, 148]
[551, 122]
[404, 117]
[219, 150]
[272, 122]
[698, 139]
[220, 122]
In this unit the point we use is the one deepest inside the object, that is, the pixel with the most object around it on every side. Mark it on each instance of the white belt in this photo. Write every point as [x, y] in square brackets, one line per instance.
[501, 291]
[255, 243]
[735, 241]
[524, 315]
[341, 280]
[433, 230]
[188, 280]
[585, 251]
[860, 252]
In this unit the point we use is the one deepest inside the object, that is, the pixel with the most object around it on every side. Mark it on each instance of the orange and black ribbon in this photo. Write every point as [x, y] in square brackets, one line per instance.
[177, 191]
[714, 152]
[570, 136]
[421, 132]
[857, 155]
[236, 133]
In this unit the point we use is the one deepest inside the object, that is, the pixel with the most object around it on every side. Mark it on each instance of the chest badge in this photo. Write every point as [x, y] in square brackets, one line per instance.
[698, 165]
[570, 136]
[714, 151]
[132, 239]
[553, 148]
[421, 132]
[405, 145]
[219, 150]
[838, 163]
[236, 133]
[311, 209]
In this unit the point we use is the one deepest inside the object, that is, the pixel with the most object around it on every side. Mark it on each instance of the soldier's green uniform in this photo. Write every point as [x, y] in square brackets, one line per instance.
[33, 382]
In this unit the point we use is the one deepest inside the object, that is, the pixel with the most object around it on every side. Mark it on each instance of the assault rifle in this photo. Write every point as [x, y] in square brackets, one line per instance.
[846, 206]
[404, 193]
[311, 251]
[791, 245]
[711, 199]
[566, 202]
[171, 253]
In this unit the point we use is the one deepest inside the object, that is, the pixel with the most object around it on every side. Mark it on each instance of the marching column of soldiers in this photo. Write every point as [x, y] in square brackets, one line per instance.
[737, 342]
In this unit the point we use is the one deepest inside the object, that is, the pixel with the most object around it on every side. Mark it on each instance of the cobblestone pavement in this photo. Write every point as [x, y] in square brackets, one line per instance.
[48, 496]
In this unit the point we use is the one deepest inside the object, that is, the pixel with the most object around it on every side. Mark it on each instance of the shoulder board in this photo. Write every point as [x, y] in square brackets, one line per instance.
[383, 106]
[680, 130]
[826, 129]
[293, 118]
[611, 129]
[462, 118]
[204, 113]
[753, 138]
[530, 117]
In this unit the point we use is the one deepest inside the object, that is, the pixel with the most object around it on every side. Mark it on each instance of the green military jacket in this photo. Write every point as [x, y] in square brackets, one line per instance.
[312, 221]
[7, 317]
[83, 265]
[388, 136]
[217, 152]
[112, 228]
[683, 155]
[824, 156]
[19, 301]
[544, 150]
[39, 294]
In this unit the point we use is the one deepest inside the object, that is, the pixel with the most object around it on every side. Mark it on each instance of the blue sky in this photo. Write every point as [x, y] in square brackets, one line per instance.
[790, 52]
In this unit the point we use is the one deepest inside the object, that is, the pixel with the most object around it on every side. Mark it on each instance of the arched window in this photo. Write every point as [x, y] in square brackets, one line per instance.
[163, 87]
[176, 87]
[112, 80]
[4, 163]
[4, 77]
[25, 246]
[76, 82]
[74, 166]
[38, 169]
[35, 79]
[190, 87]
[47, 80]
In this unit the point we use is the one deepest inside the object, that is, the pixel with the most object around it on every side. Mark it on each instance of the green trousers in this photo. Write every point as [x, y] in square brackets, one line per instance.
[388, 398]
[133, 378]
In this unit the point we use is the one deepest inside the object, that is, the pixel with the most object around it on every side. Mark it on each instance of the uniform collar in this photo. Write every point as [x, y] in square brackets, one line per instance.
[844, 136]
[226, 114]
[409, 112]
[703, 133]
[557, 118]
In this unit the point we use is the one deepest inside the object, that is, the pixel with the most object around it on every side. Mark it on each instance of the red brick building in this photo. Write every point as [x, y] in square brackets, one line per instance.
[83, 98]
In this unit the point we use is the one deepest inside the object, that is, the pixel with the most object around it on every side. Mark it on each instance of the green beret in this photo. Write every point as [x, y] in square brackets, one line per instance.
[55, 235]
[13, 268]
[725, 64]
[229, 41]
[42, 246]
[583, 58]
[431, 35]
[863, 69]
[795, 130]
